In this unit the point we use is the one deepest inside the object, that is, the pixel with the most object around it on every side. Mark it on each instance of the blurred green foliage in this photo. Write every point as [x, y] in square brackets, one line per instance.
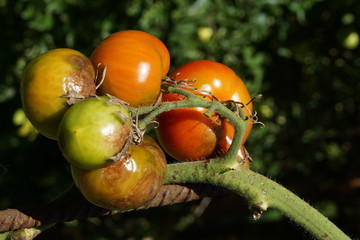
[303, 56]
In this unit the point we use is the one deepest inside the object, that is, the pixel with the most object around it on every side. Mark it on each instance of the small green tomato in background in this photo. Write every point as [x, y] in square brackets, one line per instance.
[205, 33]
[351, 41]
[92, 131]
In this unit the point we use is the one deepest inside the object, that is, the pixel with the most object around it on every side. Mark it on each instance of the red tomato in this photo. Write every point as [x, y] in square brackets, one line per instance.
[135, 64]
[186, 134]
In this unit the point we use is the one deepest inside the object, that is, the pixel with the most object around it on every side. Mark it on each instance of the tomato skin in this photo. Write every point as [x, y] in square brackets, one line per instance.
[49, 76]
[92, 131]
[224, 141]
[128, 183]
[203, 139]
[179, 133]
[136, 62]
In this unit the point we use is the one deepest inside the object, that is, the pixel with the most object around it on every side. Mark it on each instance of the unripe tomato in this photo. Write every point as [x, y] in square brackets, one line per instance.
[49, 76]
[135, 64]
[92, 131]
[128, 183]
[188, 135]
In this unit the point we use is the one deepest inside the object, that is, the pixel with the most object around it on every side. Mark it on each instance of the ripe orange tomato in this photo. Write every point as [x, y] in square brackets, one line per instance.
[186, 134]
[135, 64]
[128, 183]
[49, 76]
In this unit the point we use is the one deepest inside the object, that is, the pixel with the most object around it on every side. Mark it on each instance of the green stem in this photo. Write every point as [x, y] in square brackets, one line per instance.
[226, 172]
[260, 192]
[192, 100]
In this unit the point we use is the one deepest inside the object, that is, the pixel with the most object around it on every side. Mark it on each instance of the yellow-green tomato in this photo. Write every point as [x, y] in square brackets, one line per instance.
[128, 183]
[92, 131]
[49, 76]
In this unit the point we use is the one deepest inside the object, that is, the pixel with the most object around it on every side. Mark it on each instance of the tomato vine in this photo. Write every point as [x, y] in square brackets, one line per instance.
[261, 192]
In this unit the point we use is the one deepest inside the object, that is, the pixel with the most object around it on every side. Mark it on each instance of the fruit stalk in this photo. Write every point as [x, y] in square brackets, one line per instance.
[261, 193]
[228, 161]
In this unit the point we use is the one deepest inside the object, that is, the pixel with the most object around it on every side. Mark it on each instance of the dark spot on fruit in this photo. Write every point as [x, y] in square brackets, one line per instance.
[81, 79]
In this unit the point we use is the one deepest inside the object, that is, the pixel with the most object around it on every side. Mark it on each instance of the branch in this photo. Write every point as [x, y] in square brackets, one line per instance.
[72, 205]
[224, 172]
[260, 192]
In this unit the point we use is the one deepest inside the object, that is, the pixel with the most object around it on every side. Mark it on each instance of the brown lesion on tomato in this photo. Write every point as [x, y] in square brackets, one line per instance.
[121, 139]
[79, 82]
[152, 183]
[111, 172]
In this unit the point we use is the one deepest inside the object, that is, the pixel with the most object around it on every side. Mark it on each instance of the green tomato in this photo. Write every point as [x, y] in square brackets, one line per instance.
[92, 131]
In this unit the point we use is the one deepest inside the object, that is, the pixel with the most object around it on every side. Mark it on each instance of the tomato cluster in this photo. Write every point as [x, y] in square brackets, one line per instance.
[82, 103]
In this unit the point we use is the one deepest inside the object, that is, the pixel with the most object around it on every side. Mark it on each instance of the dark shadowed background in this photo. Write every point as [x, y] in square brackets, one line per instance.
[303, 56]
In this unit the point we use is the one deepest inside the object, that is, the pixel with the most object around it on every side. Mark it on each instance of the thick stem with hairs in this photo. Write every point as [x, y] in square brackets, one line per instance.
[226, 172]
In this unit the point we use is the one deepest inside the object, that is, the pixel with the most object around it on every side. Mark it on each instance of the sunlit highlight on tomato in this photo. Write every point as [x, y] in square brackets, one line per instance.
[143, 71]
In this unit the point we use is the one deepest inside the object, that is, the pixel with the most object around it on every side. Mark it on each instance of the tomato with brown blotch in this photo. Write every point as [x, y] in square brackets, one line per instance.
[93, 131]
[135, 63]
[129, 183]
[48, 77]
[186, 134]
